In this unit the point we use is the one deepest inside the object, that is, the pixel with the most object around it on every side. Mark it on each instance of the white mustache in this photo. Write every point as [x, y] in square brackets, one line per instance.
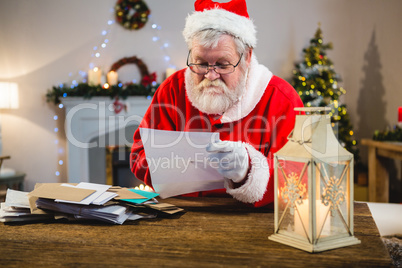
[215, 86]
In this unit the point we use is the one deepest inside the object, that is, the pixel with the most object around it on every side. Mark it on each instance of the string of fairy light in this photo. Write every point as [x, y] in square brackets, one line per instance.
[96, 53]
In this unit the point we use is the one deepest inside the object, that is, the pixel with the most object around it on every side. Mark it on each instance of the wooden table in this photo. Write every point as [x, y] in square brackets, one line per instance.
[378, 185]
[214, 232]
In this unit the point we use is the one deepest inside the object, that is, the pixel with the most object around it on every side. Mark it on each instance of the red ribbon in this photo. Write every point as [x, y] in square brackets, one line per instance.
[118, 106]
[148, 79]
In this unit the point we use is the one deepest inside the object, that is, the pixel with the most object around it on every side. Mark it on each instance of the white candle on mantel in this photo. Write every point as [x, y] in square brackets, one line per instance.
[112, 78]
[322, 212]
[170, 71]
[94, 76]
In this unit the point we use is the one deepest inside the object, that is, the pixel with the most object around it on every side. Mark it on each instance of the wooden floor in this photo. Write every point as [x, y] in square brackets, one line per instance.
[214, 232]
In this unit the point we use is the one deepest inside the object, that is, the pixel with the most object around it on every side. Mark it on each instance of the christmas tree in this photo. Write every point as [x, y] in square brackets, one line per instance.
[318, 85]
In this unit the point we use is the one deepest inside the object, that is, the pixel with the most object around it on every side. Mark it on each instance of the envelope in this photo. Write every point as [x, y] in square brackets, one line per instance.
[57, 191]
[145, 196]
[124, 193]
[165, 207]
[32, 205]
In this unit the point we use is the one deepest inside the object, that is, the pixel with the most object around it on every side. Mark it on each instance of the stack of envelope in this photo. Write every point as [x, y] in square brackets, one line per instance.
[112, 204]
[16, 208]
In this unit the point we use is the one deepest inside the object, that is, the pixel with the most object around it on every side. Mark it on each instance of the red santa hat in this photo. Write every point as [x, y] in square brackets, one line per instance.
[230, 17]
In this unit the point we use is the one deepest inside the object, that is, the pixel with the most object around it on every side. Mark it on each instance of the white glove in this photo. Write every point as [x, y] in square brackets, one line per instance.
[229, 158]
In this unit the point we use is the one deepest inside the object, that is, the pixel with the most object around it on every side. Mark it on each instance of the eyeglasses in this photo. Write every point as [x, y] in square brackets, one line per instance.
[218, 68]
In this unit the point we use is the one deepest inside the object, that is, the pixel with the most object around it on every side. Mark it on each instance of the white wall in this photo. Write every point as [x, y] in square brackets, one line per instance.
[43, 41]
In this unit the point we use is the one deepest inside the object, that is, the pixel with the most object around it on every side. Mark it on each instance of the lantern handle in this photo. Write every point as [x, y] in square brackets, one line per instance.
[290, 138]
[313, 110]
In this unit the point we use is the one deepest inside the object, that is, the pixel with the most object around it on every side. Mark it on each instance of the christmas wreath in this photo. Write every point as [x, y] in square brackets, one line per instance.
[146, 87]
[131, 14]
[131, 60]
[146, 78]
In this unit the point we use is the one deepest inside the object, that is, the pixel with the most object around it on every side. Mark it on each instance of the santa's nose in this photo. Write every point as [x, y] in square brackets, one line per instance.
[212, 75]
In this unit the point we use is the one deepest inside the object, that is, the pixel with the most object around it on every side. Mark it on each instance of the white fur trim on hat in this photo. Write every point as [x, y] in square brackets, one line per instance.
[221, 20]
[256, 185]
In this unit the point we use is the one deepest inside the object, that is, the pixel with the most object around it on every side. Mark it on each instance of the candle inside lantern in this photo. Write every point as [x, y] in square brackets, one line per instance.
[302, 221]
[94, 76]
[112, 78]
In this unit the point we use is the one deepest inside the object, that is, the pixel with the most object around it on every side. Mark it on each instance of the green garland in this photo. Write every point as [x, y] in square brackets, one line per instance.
[86, 91]
[146, 88]
[388, 134]
[131, 14]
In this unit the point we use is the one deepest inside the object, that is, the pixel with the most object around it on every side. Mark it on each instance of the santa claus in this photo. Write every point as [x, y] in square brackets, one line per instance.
[224, 89]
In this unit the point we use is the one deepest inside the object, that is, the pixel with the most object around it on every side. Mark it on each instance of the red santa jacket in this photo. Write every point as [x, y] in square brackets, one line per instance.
[262, 120]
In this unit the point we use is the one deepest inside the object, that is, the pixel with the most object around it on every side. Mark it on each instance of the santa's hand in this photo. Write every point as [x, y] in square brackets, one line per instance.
[229, 158]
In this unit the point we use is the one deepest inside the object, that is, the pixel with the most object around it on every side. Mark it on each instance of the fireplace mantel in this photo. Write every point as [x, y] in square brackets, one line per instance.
[95, 117]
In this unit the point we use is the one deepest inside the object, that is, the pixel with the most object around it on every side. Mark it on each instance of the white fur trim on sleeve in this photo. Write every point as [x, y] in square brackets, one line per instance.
[256, 185]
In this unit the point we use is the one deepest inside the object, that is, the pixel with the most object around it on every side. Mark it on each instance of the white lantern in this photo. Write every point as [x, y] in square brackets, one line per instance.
[313, 186]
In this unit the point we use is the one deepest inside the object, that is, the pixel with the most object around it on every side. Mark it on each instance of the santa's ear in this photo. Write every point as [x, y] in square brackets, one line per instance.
[249, 54]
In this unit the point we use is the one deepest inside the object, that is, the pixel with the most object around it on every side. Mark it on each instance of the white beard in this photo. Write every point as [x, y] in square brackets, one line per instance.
[213, 97]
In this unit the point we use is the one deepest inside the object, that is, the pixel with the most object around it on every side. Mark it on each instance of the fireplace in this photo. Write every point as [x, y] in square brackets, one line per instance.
[92, 128]
[118, 167]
